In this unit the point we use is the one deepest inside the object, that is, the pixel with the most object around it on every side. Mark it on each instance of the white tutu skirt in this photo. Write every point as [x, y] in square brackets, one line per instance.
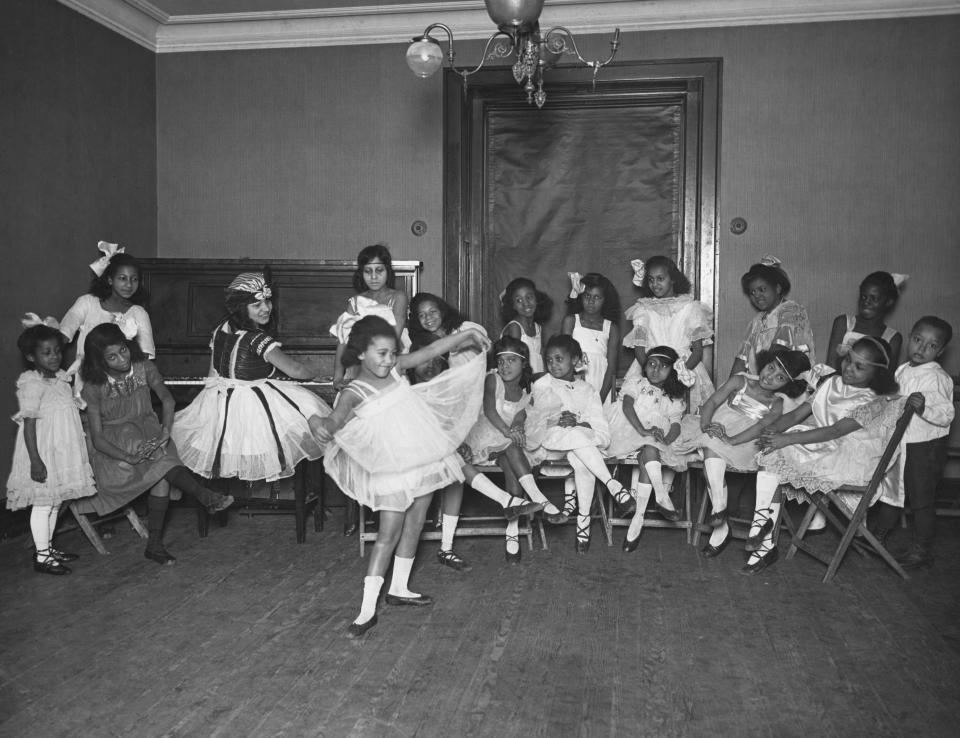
[692, 439]
[253, 430]
[625, 441]
[402, 442]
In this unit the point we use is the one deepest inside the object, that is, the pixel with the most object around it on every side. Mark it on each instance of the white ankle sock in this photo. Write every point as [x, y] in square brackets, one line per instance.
[513, 536]
[484, 486]
[448, 528]
[655, 473]
[643, 498]
[529, 485]
[401, 577]
[715, 469]
[371, 591]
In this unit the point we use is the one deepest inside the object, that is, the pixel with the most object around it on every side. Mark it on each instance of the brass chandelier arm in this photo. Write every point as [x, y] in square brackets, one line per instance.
[485, 57]
[562, 35]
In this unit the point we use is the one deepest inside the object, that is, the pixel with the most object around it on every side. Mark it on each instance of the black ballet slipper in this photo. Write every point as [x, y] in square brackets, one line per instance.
[356, 630]
[160, 555]
[768, 559]
[710, 551]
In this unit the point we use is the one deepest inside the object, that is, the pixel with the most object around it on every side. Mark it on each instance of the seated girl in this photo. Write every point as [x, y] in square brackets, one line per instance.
[433, 317]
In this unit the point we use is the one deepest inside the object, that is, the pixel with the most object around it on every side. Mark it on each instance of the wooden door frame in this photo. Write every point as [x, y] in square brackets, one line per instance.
[694, 83]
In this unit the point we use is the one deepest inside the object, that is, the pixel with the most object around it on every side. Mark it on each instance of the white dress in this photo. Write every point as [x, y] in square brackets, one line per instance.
[594, 346]
[87, 313]
[675, 322]
[360, 306]
[654, 410]
[852, 336]
[60, 444]
[532, 342]
[484, 439]
[550, 398]
[462, 356]
[401, 443]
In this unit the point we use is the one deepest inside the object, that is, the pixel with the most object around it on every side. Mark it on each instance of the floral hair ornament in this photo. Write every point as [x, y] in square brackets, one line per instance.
[639, 271]
[29, 320]
[109, 251]
[770, 261]
[686, 376]
[576, 284]
[816, 373]
[900, 280]
[253, 283]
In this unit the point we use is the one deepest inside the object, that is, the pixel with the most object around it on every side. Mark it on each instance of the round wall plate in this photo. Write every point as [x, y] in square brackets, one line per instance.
[738, 226]
[418, 228]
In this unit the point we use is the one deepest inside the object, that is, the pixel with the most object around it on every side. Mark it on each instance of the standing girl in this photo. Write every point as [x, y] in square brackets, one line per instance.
[433, 317]
[848, 423]
[780, 322]
[375, 284]
[879, 292]
[648, 421]
[245, 423]
[567, 419]
[114, 297]
[593, 321]
[524, 310]
[499, 433]
[731, 421]
[50, 463]
[130, 449]
[391, 445]
[667, 315]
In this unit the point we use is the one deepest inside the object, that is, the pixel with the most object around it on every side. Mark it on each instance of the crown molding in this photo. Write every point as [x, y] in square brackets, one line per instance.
[149, 26]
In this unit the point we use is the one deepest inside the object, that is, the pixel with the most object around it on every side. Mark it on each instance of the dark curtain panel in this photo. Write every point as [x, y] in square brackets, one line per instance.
[583, 190]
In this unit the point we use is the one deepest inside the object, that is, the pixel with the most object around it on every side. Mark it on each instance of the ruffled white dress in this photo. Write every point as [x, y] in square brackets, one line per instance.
[786, 325]
[654, 410]
[533, 343]
[247, 422]
[675, 322]
[551, 397]
[360, 306]
[850, 459]
[593, 343]
[401, 443]
[851, 336]
[484, 440]
[60, 444]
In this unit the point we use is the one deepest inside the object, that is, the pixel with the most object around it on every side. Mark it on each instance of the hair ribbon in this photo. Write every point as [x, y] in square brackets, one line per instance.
[639, 271]
[109, 251]
[252, 282]
[30, 320]
[769, 260]
[576, 284]
[817, 372]
[899, 280]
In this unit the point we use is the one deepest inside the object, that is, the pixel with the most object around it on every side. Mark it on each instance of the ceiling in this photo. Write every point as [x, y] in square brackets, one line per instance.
[165, 26]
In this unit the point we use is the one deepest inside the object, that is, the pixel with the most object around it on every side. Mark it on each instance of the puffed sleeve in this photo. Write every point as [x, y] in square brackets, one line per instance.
[675, 410]
[341, 329]
[639, 335]
[144, 331]
[263, 343]
[631, 387]
[698, 323]
[30, 390]
[749, 345]
[75, 317]
[793, 329]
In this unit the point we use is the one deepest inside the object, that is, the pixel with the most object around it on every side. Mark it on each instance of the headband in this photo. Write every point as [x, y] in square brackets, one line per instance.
[512, 353]
[29, 320]
[109, 251]
[784, 367]
[770, 261]
[576, 285]
[685, 375]
[639, 271]
[865, 360]
[253, 284]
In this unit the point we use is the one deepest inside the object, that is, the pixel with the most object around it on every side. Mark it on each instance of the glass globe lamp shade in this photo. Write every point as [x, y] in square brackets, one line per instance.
[424, 57]
[518, 14]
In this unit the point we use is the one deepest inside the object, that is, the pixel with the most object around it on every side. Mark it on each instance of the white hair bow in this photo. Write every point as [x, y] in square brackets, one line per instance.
[817, 372]
[686, 376]
[899, 280]
[639, 271]
[109, 251]
[576, 284]
[770, 261]
[29, 320]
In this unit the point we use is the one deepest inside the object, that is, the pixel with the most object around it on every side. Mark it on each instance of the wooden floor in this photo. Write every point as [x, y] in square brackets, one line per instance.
[244, 636]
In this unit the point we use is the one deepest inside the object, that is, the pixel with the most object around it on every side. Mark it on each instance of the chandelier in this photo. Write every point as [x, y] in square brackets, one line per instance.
[518, 35]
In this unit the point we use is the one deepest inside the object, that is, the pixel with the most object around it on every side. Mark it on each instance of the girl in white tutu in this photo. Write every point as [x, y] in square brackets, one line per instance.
[245, 423]
[731, 421]
[848, 422]
[375, 284]
[566, 421]
[667, 315]
[648, 420]
[50, 463]
[524, 310]
[594, 308]
[391, 445]
[499, 433]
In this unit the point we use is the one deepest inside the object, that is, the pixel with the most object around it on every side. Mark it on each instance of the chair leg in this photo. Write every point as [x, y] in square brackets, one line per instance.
[135, 522]
[89, 531]
[604, 520]
[300, 501]
[801, 530]
[687, 506]
[321, 509]
[543, 535]
[701, 516]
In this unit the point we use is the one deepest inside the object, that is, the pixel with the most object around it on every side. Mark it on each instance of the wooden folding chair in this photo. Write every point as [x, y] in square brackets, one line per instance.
[739, 526]
[856, 519]
[686, 520]
[83, 520]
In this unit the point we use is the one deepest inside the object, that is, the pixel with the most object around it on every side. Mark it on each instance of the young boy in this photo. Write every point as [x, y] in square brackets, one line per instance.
[923, 451]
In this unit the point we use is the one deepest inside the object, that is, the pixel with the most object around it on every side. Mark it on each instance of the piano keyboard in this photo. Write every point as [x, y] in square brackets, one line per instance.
[200, 381]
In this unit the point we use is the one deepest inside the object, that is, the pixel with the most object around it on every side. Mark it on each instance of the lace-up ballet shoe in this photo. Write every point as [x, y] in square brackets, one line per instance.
[631, 545]
[356, 630]
[219, 504]
[755, 540]
[768, 559]
[160, 555]
[512, 512]
[61, 556]
[449, 558]
[512, 558]
[672, 515]
[709, 551]
[582, 545]
[50, 566]
[421, 600]
[716, 518]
